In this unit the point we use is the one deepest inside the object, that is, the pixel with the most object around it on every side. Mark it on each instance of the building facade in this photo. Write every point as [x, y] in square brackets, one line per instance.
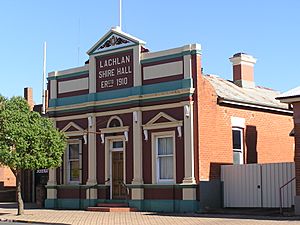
[149, 127]
[293, 97]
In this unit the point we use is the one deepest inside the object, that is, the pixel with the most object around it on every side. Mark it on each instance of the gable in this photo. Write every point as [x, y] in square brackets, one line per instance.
[114, 39]
[71, 127]
[161, 118]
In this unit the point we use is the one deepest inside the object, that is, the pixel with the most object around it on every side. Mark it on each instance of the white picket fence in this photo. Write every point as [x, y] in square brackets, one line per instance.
[257, 185]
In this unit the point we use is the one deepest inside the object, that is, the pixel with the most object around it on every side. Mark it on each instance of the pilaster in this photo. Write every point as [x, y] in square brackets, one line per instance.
[92, 180]
[189, 170]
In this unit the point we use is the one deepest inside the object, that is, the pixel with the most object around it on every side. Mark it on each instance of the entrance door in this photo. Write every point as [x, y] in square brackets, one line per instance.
[117, 156]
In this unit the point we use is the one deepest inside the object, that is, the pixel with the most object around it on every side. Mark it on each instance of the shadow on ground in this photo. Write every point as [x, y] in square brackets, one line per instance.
[253, 214]
[14, 205]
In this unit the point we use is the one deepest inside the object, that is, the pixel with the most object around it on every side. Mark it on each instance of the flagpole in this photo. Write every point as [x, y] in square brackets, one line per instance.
[44, 80]
[120, 15]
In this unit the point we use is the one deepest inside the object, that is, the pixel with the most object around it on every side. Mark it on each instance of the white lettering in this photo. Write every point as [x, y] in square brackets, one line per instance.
[114, 61]
[106, 73]
[107, 84]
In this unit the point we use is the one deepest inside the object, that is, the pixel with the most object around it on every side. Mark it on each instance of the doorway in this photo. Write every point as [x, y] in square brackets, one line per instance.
[118, 191]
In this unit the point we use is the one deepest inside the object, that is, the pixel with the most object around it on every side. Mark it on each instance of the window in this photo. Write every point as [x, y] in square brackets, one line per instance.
[165, 158]
[74, 162]
[115, 123]
[237, 142]
[117, 144]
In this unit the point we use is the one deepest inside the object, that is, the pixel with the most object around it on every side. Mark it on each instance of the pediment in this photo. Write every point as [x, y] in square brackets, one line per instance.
[114, 39]
[161, 118]
[72, 127]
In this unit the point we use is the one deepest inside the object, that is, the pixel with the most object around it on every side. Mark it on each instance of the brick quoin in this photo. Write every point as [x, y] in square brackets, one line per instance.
[268, 131]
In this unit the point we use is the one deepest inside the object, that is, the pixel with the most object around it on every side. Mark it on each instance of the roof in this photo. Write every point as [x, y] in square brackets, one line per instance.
[258, 96]
[290, 94]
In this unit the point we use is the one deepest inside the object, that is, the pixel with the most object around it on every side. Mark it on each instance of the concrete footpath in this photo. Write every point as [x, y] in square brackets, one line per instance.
[136, 218]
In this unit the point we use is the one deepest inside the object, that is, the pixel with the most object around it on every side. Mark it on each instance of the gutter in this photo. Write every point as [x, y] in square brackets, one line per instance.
[245, 104]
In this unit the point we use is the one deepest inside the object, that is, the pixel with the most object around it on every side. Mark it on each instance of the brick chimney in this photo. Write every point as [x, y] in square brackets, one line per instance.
[243, 70]
[29, 97]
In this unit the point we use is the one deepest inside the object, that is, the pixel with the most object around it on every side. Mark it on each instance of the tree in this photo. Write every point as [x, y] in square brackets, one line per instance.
[27, 141]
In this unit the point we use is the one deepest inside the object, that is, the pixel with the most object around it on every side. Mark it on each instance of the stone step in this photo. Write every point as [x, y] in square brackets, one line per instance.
[118, 205]
[111, 209]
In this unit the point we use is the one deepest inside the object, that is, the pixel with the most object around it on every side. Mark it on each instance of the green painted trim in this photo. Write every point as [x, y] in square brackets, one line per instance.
[68, 75]
[172, 56]
[178, 206]
[182, 206]
[156, 99]
[122, 93]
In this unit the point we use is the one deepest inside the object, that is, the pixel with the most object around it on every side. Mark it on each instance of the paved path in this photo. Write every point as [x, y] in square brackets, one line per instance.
[136, 218]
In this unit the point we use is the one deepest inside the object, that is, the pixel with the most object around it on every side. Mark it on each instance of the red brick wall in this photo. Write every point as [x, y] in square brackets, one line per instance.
[265, 132]
[7, 177]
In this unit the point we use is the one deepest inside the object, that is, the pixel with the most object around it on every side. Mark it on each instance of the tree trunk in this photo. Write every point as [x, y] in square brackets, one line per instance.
[19, 193]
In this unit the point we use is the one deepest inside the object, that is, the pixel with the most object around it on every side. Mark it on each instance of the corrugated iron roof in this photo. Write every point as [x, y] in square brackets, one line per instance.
[258, 96]
[290, 94]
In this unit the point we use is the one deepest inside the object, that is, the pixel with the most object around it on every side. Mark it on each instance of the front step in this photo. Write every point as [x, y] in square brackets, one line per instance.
[118, 205]
[111, 209]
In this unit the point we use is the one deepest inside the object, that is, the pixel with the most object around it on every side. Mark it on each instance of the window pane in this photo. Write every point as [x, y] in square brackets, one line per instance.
[166, 167]
[237, 156]
[118, 144]
[165, 146]
[74, 151]
[236, 139]
[74, 171]
[115, 123]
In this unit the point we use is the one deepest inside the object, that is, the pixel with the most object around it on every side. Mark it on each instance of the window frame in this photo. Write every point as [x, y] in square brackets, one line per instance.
[155, 158]
[68, 172]
[241, 151]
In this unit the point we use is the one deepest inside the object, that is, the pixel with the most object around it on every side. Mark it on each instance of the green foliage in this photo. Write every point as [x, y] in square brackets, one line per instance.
[27, 140]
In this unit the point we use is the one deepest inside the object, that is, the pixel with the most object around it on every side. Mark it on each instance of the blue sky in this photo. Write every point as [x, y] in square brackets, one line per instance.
[267, 29]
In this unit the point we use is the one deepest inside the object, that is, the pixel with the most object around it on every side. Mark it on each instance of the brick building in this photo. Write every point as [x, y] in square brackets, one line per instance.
[153, 124]
[293, 97]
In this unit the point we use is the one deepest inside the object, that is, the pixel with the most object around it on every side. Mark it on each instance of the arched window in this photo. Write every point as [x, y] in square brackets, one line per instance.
[115, 121]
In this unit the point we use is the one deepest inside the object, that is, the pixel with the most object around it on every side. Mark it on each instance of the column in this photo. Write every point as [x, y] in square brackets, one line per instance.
[189, 193]
[92, 74]
[51, 191]
[137, 79]
[137, 193]
[92, 180]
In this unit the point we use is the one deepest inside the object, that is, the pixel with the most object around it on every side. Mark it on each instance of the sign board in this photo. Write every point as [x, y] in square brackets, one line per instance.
[114, 71]
[42, 171]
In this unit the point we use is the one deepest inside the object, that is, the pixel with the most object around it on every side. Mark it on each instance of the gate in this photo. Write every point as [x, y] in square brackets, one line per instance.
[257, 185]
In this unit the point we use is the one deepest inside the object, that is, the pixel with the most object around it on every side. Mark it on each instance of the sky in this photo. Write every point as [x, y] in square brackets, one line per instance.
[267, 29]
